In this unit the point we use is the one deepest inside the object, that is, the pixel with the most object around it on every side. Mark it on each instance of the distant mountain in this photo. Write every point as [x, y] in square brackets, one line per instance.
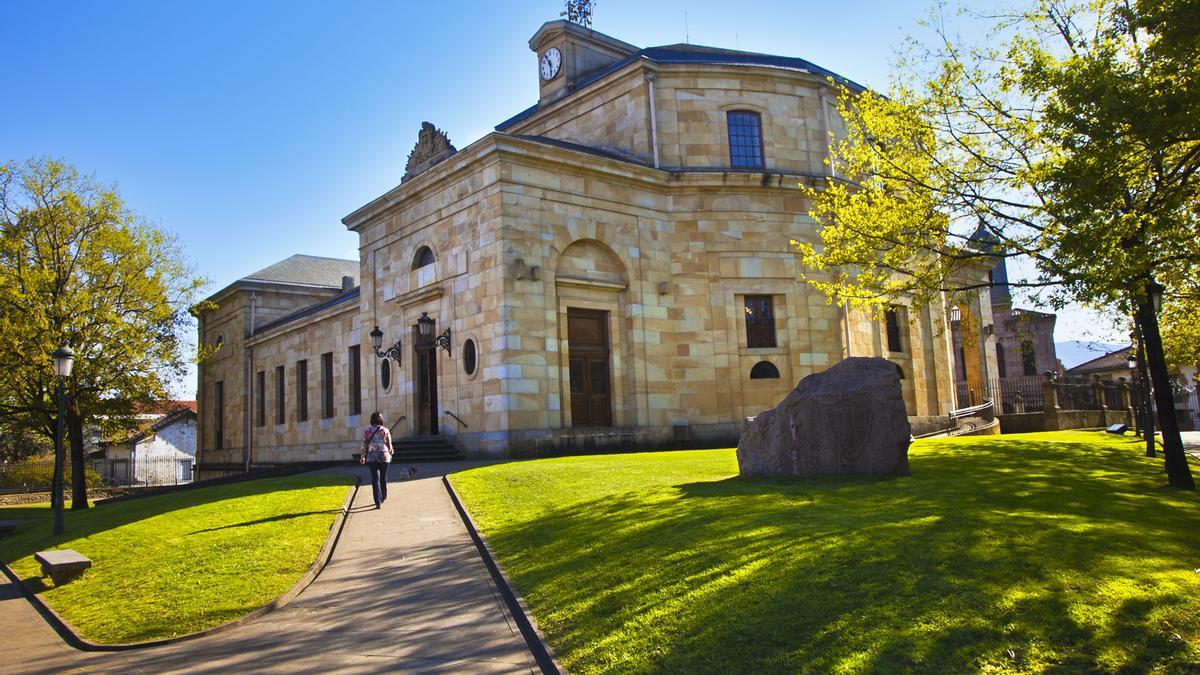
[1075, 352]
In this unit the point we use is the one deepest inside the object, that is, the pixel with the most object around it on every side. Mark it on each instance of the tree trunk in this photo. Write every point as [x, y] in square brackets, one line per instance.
[79, 498]
[1178, 473]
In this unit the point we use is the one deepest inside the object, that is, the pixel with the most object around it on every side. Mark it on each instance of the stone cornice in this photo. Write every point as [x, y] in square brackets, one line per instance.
[418, 296]
[498, 146]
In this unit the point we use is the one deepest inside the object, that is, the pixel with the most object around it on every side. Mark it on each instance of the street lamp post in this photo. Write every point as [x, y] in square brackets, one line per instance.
[64, 360]
[1178, 473]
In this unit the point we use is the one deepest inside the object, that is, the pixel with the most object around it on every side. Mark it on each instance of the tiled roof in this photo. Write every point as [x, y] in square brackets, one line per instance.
[685, 53]
[1117, 360]
[308, 270]
[163, 407]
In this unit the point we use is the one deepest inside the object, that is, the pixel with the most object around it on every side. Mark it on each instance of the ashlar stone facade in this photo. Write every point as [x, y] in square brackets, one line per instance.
[613, 265]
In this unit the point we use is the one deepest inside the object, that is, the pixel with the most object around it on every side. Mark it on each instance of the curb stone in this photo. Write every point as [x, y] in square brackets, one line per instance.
[543, 653]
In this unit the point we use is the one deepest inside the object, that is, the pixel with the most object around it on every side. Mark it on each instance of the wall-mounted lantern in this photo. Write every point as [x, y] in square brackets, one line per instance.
[425, 330]
[392, 352]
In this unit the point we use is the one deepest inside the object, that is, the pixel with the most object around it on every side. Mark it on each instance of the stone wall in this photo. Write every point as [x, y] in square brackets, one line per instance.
[1064, 419]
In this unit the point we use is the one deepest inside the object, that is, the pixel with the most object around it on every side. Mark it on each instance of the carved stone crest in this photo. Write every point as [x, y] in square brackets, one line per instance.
[432, 147]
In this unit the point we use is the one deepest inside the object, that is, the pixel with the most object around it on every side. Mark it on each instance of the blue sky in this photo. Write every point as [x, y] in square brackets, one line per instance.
[249, 129]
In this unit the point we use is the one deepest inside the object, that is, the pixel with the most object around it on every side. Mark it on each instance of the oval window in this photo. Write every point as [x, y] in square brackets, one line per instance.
[764, 370]
[469, 357]
[385, 373]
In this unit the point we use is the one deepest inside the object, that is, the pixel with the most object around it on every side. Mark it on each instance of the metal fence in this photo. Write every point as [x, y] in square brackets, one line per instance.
[1027, 394]
[138, 471]
[36, 475]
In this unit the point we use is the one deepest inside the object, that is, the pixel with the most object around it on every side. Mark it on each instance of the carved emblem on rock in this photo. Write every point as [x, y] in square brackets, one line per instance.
[432, 147]
[849, 419]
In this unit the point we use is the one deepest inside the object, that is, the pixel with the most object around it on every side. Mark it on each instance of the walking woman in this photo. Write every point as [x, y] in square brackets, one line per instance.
[377, 454]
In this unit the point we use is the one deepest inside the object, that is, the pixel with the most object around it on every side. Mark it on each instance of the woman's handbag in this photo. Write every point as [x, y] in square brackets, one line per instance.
[362, 458]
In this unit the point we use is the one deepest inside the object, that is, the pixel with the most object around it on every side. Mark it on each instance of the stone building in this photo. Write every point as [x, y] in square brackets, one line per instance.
[1019, 347]
[612, 266]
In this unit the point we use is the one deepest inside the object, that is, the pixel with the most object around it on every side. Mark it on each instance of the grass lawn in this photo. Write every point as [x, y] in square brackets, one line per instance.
[182, 562]
[1059, 551]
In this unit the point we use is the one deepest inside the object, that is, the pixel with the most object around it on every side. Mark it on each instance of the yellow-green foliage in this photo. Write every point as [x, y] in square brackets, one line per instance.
[179, 563]
[1064, 133]
[1000, 554]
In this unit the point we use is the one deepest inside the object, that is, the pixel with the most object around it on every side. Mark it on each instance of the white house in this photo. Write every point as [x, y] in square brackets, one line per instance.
[162, 454]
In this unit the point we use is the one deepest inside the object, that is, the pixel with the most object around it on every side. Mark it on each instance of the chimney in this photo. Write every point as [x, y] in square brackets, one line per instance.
[347, 283]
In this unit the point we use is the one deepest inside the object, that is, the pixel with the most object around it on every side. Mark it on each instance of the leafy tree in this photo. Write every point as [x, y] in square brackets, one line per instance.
[1181, 326]
[17, 444]
[77, 267]
[1070, 138]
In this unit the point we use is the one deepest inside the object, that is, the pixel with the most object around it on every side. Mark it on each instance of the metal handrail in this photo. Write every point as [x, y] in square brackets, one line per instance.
[392, 429]
[456, 419]
[967, 412]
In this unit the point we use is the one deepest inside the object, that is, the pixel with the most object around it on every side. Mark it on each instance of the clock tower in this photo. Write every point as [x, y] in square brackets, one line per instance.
[568, 52]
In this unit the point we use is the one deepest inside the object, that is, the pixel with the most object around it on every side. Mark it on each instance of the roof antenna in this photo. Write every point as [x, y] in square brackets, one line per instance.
[737, 43]
[687, 38]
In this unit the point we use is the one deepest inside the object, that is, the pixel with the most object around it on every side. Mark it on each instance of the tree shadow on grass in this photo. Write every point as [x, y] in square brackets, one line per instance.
[36, 535]
[978, 560]
[271, 519]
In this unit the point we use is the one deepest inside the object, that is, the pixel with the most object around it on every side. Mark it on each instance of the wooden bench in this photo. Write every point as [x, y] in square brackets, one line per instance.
[62, 565]
[7, 526]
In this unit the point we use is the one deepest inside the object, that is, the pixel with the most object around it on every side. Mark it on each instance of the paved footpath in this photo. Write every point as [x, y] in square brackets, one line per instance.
[406, 591]
[1191, 443]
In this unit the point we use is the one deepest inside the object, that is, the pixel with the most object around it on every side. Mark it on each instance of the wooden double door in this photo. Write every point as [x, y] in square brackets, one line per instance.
[425, 385]
[589, 358]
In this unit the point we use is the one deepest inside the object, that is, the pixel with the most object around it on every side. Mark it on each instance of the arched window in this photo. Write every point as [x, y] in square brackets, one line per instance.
[385, 374]
[1000, 366]
[745, 139]
[764, 370]
[423, 257]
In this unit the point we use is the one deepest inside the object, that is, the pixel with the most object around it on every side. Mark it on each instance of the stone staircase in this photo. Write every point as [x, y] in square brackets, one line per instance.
[423, 449]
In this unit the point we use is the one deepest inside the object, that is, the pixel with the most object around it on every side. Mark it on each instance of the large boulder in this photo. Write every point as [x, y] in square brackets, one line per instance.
[849, 419]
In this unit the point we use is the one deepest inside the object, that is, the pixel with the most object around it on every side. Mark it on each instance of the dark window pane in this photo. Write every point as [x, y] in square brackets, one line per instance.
[1003, 369]
[355, 384]
[760, 321]
[764, 370]
[327, 385]
[260, 398]
[385, 373]
[279, 395]
[892, 317]
[469, 357]
[600, 377]
[745, 139]
[423, 257]
[302, 390]
[577, 377]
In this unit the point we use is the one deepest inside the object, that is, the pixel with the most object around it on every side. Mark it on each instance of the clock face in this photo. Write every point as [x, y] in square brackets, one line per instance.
[551, 62]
